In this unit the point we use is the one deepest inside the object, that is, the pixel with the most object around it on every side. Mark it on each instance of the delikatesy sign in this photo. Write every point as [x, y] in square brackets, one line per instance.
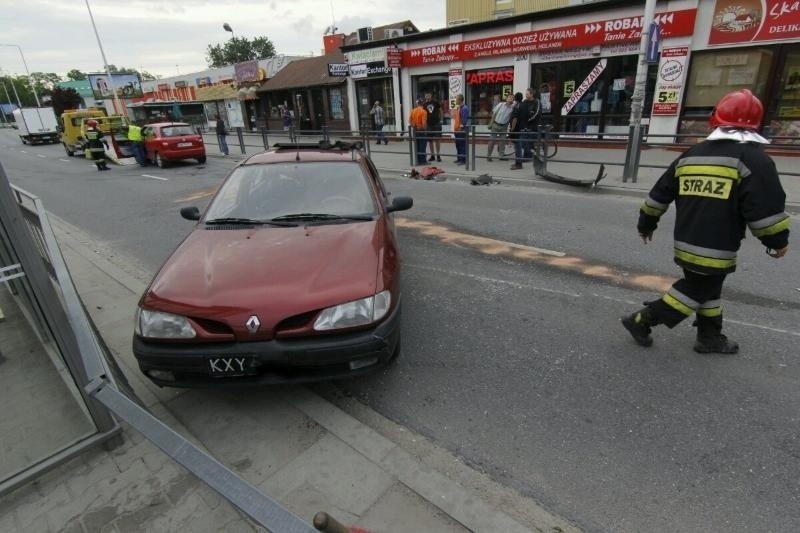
[584, 86]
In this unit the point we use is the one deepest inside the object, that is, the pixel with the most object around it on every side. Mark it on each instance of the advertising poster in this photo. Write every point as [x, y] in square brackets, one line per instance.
[456, 85]
[740, 21]
[669, 85]
[127, 85]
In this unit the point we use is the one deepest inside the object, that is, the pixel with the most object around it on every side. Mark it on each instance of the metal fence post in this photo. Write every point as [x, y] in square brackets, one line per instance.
[412, 145]
[241, 138]
[264, 138]
[469, 146]
[292, 135]
[325, 134]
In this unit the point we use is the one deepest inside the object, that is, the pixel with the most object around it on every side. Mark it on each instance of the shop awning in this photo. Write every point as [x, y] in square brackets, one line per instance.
[309, 72]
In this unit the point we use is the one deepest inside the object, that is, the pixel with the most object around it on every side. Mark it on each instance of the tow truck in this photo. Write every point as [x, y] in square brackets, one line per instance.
[114, 128]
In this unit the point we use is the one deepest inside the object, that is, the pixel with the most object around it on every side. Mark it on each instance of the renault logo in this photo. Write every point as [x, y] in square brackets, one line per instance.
[252, 324]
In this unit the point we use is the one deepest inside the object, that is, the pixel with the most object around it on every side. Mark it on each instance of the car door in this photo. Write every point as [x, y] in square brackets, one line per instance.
[148, 139]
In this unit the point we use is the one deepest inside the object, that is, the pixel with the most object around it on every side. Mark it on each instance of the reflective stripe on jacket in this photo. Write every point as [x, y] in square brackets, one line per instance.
[720, 188]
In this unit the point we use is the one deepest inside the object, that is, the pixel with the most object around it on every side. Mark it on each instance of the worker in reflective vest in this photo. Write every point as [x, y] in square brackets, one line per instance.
[137, 146]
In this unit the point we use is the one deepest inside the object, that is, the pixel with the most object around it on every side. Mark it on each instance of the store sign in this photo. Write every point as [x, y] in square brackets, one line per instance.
[584, 86]
[358, 71]
[455, 78]
[366, 56]
[163, 86]
[742, 21]
[370, 70]
[669, 85]
[246, 71]
[180, 84]
[503, 75]
[394, 57]
[627, 29]
[338, 70]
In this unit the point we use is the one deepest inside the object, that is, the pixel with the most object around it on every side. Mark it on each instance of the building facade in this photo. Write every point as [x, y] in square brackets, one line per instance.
[583, 60]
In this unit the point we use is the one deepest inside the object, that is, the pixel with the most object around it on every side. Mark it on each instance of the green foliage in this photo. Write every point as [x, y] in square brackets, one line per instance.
[62, 99]
[23, 90]
[76, 75]
[238, 49]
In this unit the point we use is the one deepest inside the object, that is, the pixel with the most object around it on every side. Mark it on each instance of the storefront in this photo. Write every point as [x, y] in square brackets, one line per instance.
[373, 82]
[485, 89]
[315, 98]
[740, 47]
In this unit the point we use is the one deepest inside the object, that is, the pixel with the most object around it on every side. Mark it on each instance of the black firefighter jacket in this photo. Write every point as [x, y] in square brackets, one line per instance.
[719, 187]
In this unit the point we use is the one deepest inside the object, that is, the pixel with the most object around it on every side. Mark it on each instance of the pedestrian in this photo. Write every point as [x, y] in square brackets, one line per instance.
[498, 127]
[419, 121]
[460, 116]
[222, 132]
[137, 145]
[96, 145]
[528, 115]
[515, 131]
[719, 186]
[286, 118]
[434, 127]
[379, 118]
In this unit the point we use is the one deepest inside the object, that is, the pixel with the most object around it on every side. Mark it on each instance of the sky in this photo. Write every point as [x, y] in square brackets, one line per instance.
[170, 37]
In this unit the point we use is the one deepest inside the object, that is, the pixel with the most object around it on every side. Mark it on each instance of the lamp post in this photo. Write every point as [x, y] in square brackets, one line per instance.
[227, 27]
[30, 80]
[120, 109]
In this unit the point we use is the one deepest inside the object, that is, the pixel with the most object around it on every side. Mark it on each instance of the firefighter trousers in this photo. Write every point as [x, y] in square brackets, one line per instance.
[694, 293]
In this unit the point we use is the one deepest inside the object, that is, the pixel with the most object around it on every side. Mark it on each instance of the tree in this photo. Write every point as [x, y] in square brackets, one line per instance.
[45, 82]
[76, 75]
[22, 87]
[65, 99]
[238, 49]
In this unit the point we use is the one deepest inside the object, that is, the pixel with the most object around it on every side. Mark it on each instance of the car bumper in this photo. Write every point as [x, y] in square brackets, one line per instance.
[183, 153]
[275, 361]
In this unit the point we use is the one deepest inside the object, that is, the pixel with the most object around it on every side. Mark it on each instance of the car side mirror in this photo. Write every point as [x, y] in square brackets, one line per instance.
[190, 213]
[401, 203]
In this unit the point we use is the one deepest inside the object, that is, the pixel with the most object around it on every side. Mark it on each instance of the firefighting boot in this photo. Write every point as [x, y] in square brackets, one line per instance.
[638, 325]
[710, 338]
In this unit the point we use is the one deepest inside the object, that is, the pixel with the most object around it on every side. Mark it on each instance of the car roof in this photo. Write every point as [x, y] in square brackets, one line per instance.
[299, 152]
[163, 124]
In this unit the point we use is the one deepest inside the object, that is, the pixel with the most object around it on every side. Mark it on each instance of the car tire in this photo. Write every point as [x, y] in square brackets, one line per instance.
[160, 161]
[201, 160]
[70, 153]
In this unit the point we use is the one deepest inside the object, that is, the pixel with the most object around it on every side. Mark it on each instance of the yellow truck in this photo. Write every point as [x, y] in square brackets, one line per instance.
[114, 128]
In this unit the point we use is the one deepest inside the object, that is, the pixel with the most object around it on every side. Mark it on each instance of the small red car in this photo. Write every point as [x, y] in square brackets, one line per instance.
[172, 141]
[291, 274]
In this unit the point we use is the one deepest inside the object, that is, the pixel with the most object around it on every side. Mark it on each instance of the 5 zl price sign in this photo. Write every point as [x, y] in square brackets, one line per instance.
[669, 85]
[667, 97]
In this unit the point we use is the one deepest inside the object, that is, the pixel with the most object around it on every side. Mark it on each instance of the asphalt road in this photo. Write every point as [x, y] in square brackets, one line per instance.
[515, 359]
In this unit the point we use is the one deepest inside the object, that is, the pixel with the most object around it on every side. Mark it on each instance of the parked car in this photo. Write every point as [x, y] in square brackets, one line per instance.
[292, 274]
[172, 141]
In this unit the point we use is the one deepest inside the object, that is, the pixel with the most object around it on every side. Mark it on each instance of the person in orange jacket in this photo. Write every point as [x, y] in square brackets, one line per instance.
[419, 120]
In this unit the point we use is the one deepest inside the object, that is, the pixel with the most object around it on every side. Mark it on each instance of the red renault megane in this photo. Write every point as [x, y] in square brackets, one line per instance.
[291, 274]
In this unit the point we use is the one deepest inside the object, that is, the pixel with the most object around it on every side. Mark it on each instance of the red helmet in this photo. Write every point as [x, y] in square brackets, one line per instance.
[92, 123]
[738, 109]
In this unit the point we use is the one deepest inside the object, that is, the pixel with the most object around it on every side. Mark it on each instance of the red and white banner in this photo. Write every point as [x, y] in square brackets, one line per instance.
[740, 21]
[626, 29]
[584, 86]
[671, 76]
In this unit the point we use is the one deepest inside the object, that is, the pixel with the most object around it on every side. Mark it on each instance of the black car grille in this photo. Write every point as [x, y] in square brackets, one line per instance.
[229, 227]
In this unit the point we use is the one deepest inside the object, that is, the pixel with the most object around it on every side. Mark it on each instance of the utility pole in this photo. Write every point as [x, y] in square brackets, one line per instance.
[633, 151]
[118, 105]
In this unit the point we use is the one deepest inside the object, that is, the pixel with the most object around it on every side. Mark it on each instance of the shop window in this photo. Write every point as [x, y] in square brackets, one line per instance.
[335, 104]
[485, 89]
[713, 74]
[785, 121]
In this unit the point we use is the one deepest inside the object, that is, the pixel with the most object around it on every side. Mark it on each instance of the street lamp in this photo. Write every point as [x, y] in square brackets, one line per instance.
[119, 108]
[227, 27]
[30, 80]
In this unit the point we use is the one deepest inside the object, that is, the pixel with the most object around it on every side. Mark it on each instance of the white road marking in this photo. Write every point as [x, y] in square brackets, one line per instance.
[23, 151]
[42, 156]
[155, 177]
[64, 160]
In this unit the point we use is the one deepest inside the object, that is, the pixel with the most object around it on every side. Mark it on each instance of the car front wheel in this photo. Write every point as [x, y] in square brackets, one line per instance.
[69, 152]
[201, 159]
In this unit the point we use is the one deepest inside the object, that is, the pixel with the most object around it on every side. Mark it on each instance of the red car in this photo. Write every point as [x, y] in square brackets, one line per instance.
[172, 141]
[291, 274]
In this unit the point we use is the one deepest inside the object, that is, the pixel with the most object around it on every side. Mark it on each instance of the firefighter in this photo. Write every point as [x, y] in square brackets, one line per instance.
[720, 186]
[95, 145]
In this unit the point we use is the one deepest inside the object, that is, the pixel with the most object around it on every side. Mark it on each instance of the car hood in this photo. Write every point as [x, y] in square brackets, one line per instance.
[271, 272]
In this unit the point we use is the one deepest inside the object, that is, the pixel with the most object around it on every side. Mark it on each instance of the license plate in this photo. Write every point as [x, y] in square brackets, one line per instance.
[184, 145]
[229, 366]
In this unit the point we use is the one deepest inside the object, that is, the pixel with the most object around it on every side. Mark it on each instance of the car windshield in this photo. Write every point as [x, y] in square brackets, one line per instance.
[315, 190]
[176, 131]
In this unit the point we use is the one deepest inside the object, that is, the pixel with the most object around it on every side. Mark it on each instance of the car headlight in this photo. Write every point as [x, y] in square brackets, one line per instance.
[158, 325]
[356, 313]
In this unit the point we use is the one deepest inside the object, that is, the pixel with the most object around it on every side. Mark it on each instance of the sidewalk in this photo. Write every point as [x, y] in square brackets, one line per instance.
[289, 442]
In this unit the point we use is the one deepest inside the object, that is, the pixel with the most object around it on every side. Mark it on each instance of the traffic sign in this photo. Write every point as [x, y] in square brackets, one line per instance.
[653, 42]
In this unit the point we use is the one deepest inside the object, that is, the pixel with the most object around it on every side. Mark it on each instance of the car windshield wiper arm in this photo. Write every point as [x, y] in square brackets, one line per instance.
[321, 216]
[245, 221]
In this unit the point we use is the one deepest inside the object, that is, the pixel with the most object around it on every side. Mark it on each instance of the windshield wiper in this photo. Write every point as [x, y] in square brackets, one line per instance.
[320, 216]
[248, 221]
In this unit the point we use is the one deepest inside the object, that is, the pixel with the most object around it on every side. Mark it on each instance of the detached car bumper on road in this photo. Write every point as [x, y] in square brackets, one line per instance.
[270, 362]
